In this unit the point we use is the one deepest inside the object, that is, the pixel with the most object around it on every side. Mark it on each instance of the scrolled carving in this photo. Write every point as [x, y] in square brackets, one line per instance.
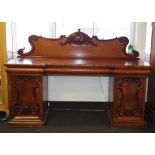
[135, 53]
[129, 98]
[78, 38]
[24, 108]
[125, 42]
[21, 51]
[31, 40]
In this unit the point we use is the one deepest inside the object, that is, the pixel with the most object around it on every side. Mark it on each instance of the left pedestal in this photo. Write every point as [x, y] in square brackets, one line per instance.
[28, 104]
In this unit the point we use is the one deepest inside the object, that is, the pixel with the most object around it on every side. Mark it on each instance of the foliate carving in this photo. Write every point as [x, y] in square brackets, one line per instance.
[78, 38]
[21, 105]
[129, 100]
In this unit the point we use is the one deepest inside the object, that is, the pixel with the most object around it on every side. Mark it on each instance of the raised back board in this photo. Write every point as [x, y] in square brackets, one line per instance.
[78, 45]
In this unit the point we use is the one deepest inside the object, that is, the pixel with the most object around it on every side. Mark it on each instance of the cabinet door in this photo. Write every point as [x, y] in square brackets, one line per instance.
[25, 95]
[129, 99]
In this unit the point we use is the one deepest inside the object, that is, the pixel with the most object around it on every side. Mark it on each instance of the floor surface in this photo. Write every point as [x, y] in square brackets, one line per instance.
[76, 121]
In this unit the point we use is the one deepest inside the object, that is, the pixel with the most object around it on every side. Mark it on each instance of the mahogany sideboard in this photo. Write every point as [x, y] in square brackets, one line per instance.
[80, 55]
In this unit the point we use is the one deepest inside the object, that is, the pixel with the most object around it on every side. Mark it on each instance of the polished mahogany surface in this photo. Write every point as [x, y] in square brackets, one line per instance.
[77, 50]
[81, 55]
[53, 66]
[102, 62]
[78, 45]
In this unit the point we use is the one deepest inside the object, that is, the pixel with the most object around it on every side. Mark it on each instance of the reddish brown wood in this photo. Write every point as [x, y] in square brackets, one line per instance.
[129, 102]
[28, 104]
[78, 45]
[78, 54]
[78, 38]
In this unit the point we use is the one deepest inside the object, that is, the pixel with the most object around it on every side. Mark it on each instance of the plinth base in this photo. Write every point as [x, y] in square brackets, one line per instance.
[28, 121]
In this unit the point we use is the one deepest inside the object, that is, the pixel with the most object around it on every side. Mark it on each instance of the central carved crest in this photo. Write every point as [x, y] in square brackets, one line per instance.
[78, 38]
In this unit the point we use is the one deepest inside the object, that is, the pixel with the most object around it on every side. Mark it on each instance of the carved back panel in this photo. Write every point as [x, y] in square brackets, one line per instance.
[78, 45]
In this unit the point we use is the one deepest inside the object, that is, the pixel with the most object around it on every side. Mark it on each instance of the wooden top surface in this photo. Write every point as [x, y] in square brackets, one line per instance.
[58, 62]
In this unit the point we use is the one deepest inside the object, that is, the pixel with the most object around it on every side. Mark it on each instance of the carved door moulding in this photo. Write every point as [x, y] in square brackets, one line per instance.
[129, 98]
[25, 97]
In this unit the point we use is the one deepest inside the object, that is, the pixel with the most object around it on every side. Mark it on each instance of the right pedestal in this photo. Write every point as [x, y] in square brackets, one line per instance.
[129, 102]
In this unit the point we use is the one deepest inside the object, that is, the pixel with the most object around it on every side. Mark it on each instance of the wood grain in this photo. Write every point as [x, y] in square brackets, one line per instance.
[80, 55]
